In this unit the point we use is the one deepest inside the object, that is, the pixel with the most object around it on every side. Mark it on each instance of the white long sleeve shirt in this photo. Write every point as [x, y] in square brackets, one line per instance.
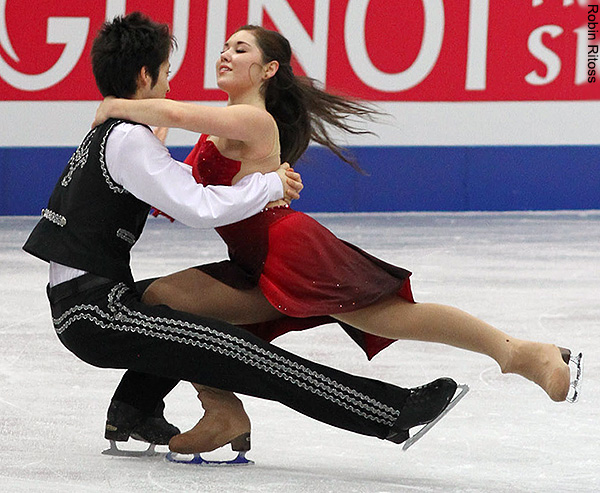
[139, 162]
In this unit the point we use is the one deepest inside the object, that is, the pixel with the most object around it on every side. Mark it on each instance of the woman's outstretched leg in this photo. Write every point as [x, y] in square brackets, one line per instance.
[397, 318]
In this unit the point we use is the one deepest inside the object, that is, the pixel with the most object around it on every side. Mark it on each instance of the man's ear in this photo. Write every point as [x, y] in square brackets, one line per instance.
[270, 69]
[144, 80]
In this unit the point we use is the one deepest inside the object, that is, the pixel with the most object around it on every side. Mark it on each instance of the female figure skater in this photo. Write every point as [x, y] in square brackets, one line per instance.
[286, 271]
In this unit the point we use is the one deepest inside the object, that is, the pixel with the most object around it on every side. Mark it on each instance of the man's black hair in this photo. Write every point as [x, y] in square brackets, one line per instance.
[123, 47]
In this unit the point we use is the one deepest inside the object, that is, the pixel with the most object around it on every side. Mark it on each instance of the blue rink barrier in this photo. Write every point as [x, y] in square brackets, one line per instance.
[492, 178]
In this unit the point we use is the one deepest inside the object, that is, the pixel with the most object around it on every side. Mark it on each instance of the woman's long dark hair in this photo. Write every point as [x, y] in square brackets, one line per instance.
[304, 112]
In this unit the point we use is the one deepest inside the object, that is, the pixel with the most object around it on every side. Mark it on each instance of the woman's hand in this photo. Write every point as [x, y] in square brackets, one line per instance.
[103, 111]
[292, 182]
[161, 133]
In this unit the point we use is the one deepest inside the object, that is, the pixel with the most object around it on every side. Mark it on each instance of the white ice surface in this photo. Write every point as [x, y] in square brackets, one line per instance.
[535, 275]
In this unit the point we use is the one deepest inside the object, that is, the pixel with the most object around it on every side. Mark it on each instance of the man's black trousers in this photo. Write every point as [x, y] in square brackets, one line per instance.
[106, 325]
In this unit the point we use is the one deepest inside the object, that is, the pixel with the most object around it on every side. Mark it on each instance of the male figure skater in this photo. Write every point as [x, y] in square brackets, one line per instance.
[95, 215]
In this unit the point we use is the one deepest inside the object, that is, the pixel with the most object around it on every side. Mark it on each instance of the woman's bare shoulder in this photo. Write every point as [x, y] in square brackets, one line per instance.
[252, 114]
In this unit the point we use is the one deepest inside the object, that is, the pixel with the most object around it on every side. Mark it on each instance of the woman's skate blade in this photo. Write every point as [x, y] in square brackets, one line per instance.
[576, 367]
[197, 459]
[463, 389]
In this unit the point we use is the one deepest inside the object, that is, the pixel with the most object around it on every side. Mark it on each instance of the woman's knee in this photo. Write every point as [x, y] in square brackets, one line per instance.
[157, 293]
[173, 289]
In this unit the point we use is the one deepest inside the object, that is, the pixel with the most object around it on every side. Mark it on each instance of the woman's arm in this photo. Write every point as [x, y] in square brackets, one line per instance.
[237, 122]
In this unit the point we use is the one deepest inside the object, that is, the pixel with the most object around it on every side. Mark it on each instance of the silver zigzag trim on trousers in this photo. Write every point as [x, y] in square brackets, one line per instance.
[122, 318]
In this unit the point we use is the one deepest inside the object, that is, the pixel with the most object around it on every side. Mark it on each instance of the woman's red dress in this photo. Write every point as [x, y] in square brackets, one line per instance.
[303, 269]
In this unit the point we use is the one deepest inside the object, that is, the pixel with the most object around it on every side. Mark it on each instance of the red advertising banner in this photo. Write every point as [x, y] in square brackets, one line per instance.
[381, 50]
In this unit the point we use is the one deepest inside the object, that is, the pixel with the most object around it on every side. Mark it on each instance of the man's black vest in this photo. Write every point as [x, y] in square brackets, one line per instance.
[91, 222]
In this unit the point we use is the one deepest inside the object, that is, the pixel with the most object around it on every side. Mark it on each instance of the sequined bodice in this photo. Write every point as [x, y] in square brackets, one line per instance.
[209, 166]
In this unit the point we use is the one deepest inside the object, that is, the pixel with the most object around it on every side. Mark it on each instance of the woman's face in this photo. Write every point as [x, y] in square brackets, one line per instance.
[240, 66]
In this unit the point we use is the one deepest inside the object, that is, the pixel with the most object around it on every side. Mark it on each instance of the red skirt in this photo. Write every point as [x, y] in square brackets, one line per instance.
[306, 273]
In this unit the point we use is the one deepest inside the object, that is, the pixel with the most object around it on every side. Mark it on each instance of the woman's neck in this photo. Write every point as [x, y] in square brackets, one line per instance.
[251, 98]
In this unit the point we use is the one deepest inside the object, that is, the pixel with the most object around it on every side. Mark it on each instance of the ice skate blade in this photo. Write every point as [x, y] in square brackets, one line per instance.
[117, 452]
[463, 389]
[576, 367]
[198, 460]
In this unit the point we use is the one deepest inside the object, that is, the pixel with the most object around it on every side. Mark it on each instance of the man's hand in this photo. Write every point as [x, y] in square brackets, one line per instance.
[292, 182]
[103, 111]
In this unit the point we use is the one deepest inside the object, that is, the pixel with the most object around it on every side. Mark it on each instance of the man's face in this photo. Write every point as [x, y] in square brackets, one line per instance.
[161, 88]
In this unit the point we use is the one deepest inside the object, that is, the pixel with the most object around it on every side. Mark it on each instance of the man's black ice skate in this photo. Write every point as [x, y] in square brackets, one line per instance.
[425, 405]
[124, 421]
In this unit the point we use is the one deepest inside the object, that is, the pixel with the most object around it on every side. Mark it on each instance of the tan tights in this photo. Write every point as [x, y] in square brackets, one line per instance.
[195, 292]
